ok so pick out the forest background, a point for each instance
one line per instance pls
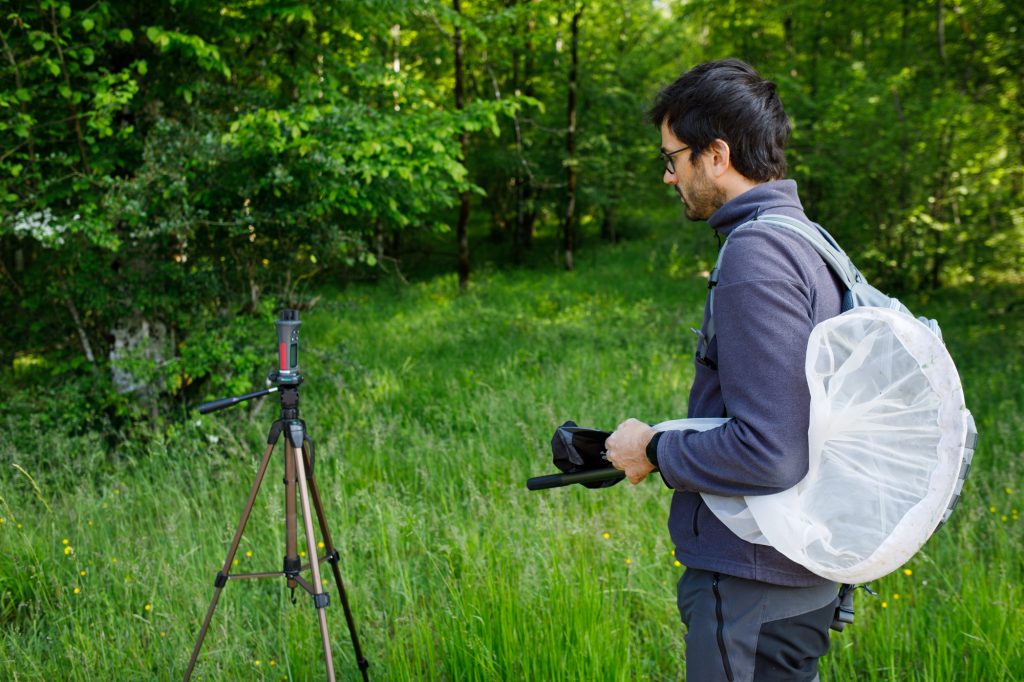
(172, 173)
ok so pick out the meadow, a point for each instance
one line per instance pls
(430, 409)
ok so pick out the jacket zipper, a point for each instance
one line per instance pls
(721, 628)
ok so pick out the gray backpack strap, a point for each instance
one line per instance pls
(704, 337)
(824, 244)
(857, 290)
(818, 238)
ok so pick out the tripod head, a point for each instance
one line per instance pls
(288, 346)
(285, 378)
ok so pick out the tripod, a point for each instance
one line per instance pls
(299, 459)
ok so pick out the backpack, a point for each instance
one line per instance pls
(891, 440)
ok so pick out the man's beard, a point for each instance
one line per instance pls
(702, 197)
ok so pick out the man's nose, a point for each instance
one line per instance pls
(669, 178)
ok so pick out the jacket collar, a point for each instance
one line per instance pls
(763, 198)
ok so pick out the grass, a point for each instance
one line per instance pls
(430, 410)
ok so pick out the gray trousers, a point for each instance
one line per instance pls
(741, 630)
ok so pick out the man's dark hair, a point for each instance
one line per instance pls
(728, 100)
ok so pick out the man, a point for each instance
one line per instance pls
(750, 613)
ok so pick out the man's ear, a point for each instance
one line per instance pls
(719, 158)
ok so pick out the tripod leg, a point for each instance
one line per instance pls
(319, 597)
(291, 557)
(333, 558)
(222, 577)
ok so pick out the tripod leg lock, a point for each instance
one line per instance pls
(221, 580)
(292, 566)
(333, 558)
(321, 600)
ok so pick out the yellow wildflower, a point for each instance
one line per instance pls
(249, 553)
(148, 607)
(885, 605)
(629, 561)
(606, 535)
(907, 571)
(77, 590)
(320, 545)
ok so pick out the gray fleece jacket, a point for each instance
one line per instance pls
(773, 288)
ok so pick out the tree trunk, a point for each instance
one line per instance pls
(522, 239)
(83, 337)
(608, 224)
(461, 229)
(569, 226)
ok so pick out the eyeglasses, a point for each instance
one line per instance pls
(670, 165)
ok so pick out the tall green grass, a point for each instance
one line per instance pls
(430, 410)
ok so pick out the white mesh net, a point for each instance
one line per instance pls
(887, 436)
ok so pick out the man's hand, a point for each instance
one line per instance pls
(627, 449)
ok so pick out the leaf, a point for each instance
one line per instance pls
(54, 68)
(88, 24)
(65, 11)
(125, 34)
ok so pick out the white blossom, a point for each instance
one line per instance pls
(42, 226)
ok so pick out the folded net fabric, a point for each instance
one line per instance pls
(888, 442)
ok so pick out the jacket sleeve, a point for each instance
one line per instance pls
(763, 316)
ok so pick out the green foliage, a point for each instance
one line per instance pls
(143, 189)
(190, 165)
